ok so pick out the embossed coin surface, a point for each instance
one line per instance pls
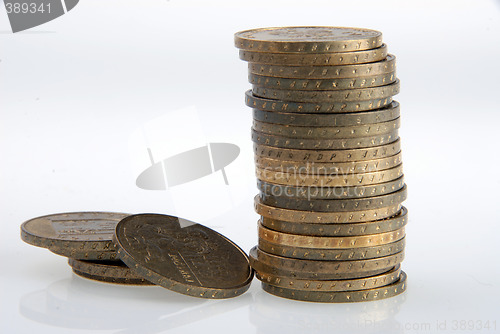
(183, 256)
(107, 271)
(308, 39)
(79, 235)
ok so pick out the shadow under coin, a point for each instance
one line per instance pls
(271, 314)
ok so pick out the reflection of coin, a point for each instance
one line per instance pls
(324, 205)
(316, 59)
(332, 285)
(314, 96)
(298, 216)
(183, 256)
(285, 117)
(80, 235)
(336, 230)
(391, 290)
(310, 156)
(308, 39)
(107, 271)
(332, 254)
(323, 269)
(324, 144)
(307, 241)
(385, 66)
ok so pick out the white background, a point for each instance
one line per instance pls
(73, 91)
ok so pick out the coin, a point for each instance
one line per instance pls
(387, 291)
(327, 132)
(297, 216)
(183, 256)
(339, 192)
(321, 84)
(384, 66)
(328, 168)
(333, 180)
(332, 285)
(389, 113)
(316, 59)
(325, 205)
(314, 96)
(322, 254)
(324, 144)
(351, 155)
(306, 241)
(323, 270)
(107, 271)
(392, 223)
(307, 39)
(80, 235)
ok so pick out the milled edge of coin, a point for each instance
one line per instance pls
(299, 216)
(327, 132)
(351, 155)
(325, 205)
(387, 291)
(78, 254)
(321, 84)
(271, 105)
(386, 65)
(316, 59)
(286, 117)
(392, 223)
(107, 272)
(321, 242)
(331, 285)
(194, 291)
(334, 180)
(323, 143)
(324, 269)
(314, 96)
(242, 40)
(321, 254)
(64, 247)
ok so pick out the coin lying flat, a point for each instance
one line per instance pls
(311, 96)
(183, 256)
(387, 291)
(79, 235)
(385, 66)
(332, 285)
(388, 113)
(316, 59)
(107, 271)
(322, 254)
(307, 39)
(392, 223)
(265, 104)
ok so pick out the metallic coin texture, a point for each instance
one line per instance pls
(80, 235)
(388, 291)
(183, 256)
(107, 271)
(307, 39)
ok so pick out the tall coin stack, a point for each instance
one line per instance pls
(328, 163)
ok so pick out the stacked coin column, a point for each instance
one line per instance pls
(328, 163)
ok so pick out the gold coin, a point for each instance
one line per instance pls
(390, 224)
(387, 65)
(331, 285)
(331, 180)
(351, 155)
(314, 96)
(297, 216)
(307, 39)
(387, 291)
(306, 241)
(317, 59)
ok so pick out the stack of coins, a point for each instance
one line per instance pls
(328, 163)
